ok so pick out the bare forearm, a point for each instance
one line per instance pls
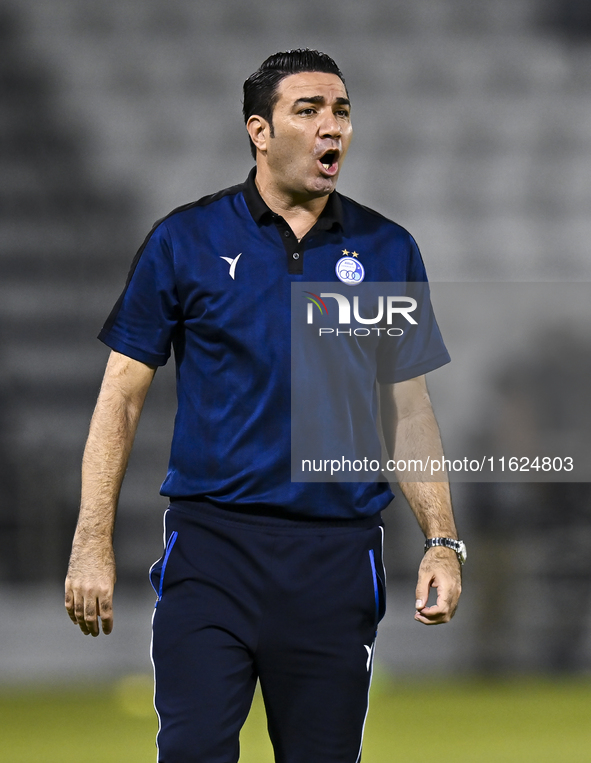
(111, 435)
(412, 438)
(110, 439)
(417, 438)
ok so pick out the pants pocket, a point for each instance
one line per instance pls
(158, 569)
(379, 585)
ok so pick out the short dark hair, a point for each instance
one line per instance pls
(260, 89)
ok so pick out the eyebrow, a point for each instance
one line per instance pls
(317, 99)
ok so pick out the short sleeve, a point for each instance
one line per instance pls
(420, 347)
(144, 319)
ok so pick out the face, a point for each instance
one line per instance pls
(310, 134)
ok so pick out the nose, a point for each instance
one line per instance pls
(330, 126)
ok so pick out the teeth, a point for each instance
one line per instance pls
(326, 165)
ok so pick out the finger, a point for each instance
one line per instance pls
(106, 613)
(448, 594)
(440, 612)
(431, 619)
(433, 612)
(85, 609)
(436, 613)
(91, 616)
(422, 590)
(69, 604)
(79, 613)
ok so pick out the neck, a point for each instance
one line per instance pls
(300, 211)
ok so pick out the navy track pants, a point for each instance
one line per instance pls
(293, 604)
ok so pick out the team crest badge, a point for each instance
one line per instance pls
(349, 270)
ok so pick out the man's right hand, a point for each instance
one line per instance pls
(89, 590)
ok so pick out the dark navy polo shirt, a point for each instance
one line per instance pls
(213, 281)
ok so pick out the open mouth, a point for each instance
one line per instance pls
(329, 161)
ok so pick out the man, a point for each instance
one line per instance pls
(261, 578)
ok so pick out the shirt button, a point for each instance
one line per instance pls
(296, 256)
(286, 234)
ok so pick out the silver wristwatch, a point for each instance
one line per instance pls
(456, 545)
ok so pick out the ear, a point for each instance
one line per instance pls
(258, 129)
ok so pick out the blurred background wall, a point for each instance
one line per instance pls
(473, 130)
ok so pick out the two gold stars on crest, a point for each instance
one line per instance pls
(346, 252)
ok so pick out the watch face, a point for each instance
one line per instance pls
(462, 552)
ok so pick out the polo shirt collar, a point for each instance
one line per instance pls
(331, 215)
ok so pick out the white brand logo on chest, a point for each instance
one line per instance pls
(232, 263)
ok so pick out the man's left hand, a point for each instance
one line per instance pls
(439, 569)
